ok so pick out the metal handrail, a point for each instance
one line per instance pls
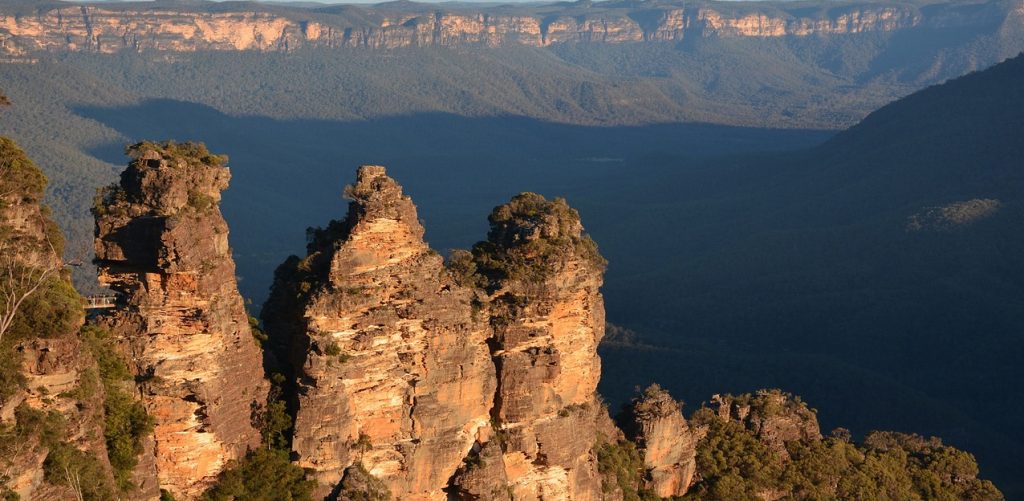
(101, 301)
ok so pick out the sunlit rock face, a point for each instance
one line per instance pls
(162, 243)
(397, 376)
(668, 445)
(109, 29)
(542, 276)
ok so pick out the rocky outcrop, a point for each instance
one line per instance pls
(49, 396)
(774, 416)
(668, 445)
(108, 29)
(162, 243)
(476, 380)
(542, 276)
(397, 378)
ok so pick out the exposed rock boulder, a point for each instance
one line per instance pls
(668, 445)
(397, 377)
(162, 243)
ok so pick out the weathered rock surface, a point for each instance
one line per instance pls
(543, 276)
(44, 352)
(397, 376)
(668, 445)
(185, 27)
(162, 243)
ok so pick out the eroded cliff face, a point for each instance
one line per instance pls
(668, 445)
(110, 29)
(476, 380)
(50, 401)
(542, 276)
(397, 378)
(162, 243)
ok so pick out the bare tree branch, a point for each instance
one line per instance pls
(23, 273)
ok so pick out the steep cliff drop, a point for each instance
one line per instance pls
(542, 275)
(669, 445)
(397, 379)
(111, 28)
(162, 243)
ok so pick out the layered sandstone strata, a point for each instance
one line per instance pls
(108, 29)
(668, 444)
(543, 275)
(397, 378)
(162, 243)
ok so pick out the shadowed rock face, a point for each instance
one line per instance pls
(162, 243)
(397, 375)
(669, 446)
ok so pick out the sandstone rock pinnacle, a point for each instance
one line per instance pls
(162, 243)
(397, 377)
(668, 445)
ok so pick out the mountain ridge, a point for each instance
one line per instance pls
(108, 28)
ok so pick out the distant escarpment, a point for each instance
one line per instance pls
(197, 26)
(162, 244)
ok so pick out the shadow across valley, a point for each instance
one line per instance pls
(289, 174)
(744, 258)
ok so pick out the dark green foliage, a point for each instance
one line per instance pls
(54, 310)
(11, 378)
(332, 349)
(78, 469)
(464, 269)
(733, 464)
(46, 427)
(200, 201)
(166, 495)
(359, 485)
(274, 422)
(263, 475)
(172, 150)
(258, 334)
(125, 419)
(126, 423)
(530, 238)
(267, 473)
(18, 174)
(622, 467)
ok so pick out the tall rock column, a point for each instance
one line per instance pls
(668, 445)
(394, 374)
(543, 276)
(162, 243)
